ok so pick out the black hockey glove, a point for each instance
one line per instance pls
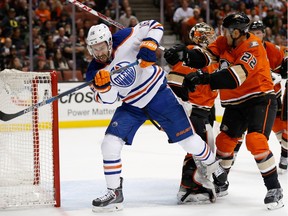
(180, 92)
(283, 69)
(193, 79)
(172, 55)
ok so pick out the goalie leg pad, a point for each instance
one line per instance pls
(195, 187)
(200, 196)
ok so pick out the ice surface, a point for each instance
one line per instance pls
(151, 171)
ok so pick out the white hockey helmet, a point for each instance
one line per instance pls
(97, 34)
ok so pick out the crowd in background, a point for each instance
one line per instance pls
(51, 32)
(184, 14)
(52, 27)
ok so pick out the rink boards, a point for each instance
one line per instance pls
(79, 109)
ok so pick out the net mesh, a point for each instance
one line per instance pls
(26, 142)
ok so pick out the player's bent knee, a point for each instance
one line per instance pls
(225, 144)
(192, 143)
(111, 146)
(256, 143)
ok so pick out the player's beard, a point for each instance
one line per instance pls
(103, 58)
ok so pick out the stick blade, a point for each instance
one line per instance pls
(7, 117)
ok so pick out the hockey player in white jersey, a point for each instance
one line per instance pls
(145, 95)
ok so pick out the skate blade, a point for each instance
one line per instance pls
(222, 194)
(109, 208)
(275, 205)
(282, 171)
(193, 199)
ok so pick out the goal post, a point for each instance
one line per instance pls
(29, 144)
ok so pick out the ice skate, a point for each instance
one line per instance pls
(195, 196)
(220, 181)
(111, 201)
(283, 164)
(274, 199)
(220, 174)
(221, 188)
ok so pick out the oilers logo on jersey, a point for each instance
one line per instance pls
(126, 77)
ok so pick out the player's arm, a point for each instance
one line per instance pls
(175, 80)
(228, 78)
(198, 58)
(104, 92)
(149, 33)
(283, 68)
(194, 58)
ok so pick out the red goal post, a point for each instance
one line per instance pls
(29, 144)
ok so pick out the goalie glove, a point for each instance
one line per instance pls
(147, 52)
(172, 55)
(193, 79)
(102, 81)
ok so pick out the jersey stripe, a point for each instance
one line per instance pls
(138, 93)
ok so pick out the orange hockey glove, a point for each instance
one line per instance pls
(102, 81)
(147, 52)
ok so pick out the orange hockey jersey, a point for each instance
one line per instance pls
(251, 54)
(275, 56)
(203, 97)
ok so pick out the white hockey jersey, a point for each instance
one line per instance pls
(135, 85)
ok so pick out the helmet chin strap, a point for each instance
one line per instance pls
(234, 39)
(234, 42)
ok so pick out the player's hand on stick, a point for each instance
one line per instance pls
(102, 81)
(172, 55)
(147, 52)
(193, 79)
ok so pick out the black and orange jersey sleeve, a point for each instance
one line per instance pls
(275, 55)
(248, 58)
(203, 96)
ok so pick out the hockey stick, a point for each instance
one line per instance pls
(7, 117)
(102, 16)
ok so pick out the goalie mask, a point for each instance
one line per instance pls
(98, 34)
(202, 34)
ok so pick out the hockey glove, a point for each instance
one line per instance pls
(193, 79)
(283, 69)
(172, 55)
(147, 52)
(180, 92)
(102, 81)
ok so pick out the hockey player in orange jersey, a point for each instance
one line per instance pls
(246, 93)
(277, 57)
(201, 101)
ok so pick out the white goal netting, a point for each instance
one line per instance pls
(29, 157)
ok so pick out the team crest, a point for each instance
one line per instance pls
(143, 23)
(126, 77)
(254, 44)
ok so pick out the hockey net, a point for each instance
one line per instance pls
(29, 149)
